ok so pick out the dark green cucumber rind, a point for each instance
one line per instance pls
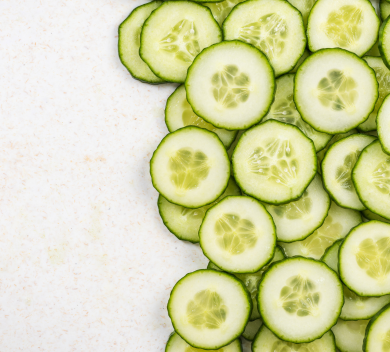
(308, 183)
(132, 72)
(244, 290)
(384, 148)
(274, 235)
(159, 74)
(328, 250)
(249, 47)
(311, 57)
(383, 12)
(263, 318)
(162, 142)
(370, 326)
(386, 60)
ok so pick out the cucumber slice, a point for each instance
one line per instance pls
(331, 256)
(221, 10)
(337, 225)
(252, 328)
(337, 167)
(371, 177)
(233, 146)
(296, 220)
(349, 335)
(273, 26)
(231, 85)
(384, 42)
(266, 341)
(184, 223)
(348, 24)
(329, 90)
(238, 235)
(300, 299)
(385, 9)
(174, 34)
(374, 51)
(178, 114)
(377, 337)
(209, 309)
(274, 162)
(283, 109)
(129, 33)
(190, 167)
(364, 259)
(304, 6)
(212, 266)
(384, 125)
(368, 214)
(306, 54)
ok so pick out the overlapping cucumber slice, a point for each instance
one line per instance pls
(378, 332)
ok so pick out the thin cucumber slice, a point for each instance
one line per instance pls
(348, 24)
(300, 299)
(368, 214)
(377, 337)
(273, 26)
(306, 54)
(384, 42)
(190, 167)
(221, 10)
(304, 6)
(252, 328)
(209, 309)
(274, 162)
(238, 235)
(231, 85)
(329, 89)
(178, 114)
(337, 167)
(384, 9)
(364, 259)
(383, 120)
(129, 42)
(371, 177)
(296, 220)
(283, 110)
(184, 223)
(331, 256)
(174, 34)
(266, 341)
(349, 335)
(337, 225)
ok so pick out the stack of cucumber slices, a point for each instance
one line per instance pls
(277, 162)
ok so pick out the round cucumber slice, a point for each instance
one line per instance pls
(209, 309)
(178, 114)
(238, 235)
(183, 222)
(337, 167)
(304, 6)
(221, 10)
(364, 259)
(252, 328)
(383, 120)
(368, 214)
(371, 177)
(174, 34)
(274, 162)
(283, 110)
(230, 85)
(190, 167)
(331, 256)
(300, 299)
(348, 24)
(272, 26)
(129, 42)
(377, 337)
(337, 225)
(349, 335)
(384, 9)
(296, 220)
(329, 89)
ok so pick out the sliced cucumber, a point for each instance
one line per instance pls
(252, 328)
(296, 220)
(190, 167)
(300, 299)
(337, 167)
(233, 146)
(221, 10)
(184, 223)
(374, 51)
(384, 42)
(212, 266)
(129, 33)
(331, 256)
(178, 114)
(377, 337)
(238, 235)
(274, 162)
(306, 54)
(230, 85)
(368, 214)
(337, 225)
(383, 120)
(329, 89)
(348, 24)
(174, 34)
(304, 6)
(273, 26)
(283, 109)
(364, 259)
(349, 335)
(209, 309)
(371, 177)
(385, 9)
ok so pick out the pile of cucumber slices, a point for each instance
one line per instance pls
(278, 164)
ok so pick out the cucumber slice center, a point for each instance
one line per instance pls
(352, 296)
(386, 342)
(343, 172)
(381, 177)
(374, 257)
(285, 110)
(191, 119)
(345, 26)
(206, 310)
(299, 209)
(221, 9)
(182, 41)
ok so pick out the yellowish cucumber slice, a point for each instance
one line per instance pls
(377, 337)
(252, 328)
(384, 9)
(349, 335)
(190, 167)
(273, 26)
(348, 24)
(383, 121)
(304, 6)
(221, 10)
(209, 309)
